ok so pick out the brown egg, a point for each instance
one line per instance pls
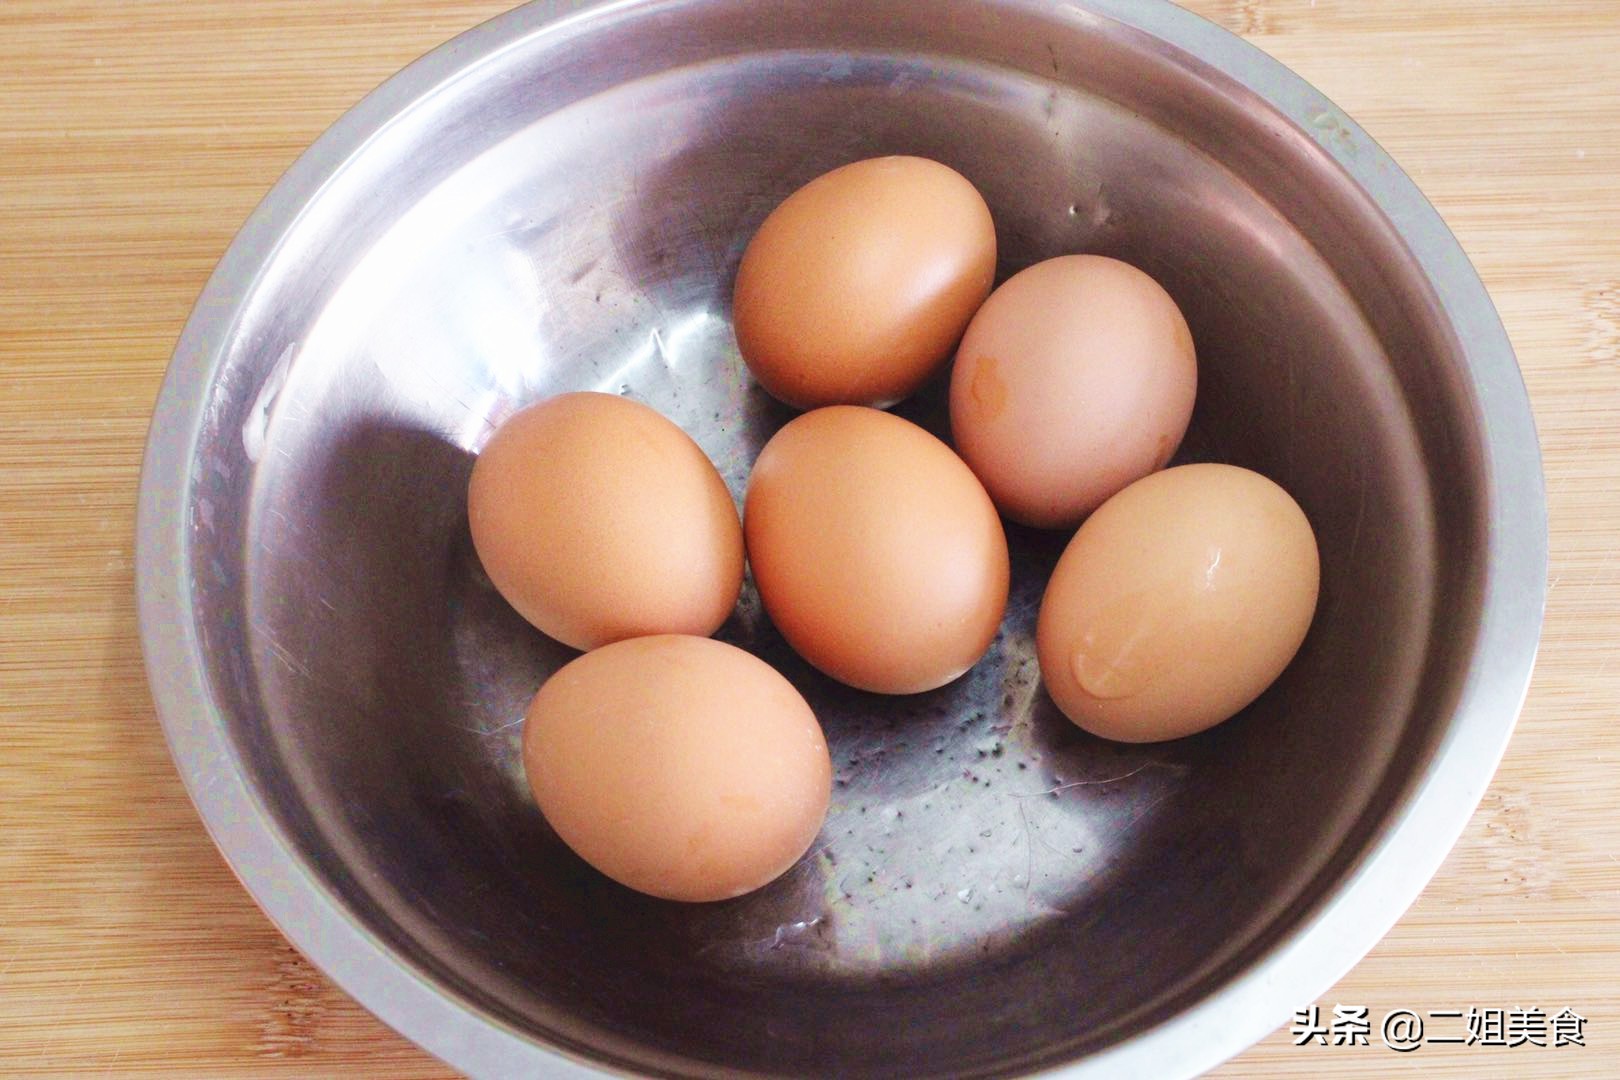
(856, 289)
(877, 554)
(680, 766)
(598, 519)
(1075, 378)
(1177, 603)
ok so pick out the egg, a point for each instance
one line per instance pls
(876, 553)
(858, 286)
(1075, 378)
(598, 519)
(1177, 603)
(679, 766)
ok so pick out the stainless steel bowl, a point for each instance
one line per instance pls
(557, 200)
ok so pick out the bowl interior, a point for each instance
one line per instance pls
(993, 889)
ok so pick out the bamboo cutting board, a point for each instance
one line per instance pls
(136, 135)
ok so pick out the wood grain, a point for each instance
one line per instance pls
(135, 137)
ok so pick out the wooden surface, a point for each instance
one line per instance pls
(136, 136)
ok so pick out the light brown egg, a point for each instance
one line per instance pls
(598, 519)
(857, 287)
(1177, 603)
(1075, 378)
(680, 766)
(877, 554)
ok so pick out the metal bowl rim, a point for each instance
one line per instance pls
(1390, 873)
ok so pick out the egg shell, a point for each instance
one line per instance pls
(877, 554)
(598, 519)
(1075, 378)
(858, 286)
(679, 766)
(1177, 603)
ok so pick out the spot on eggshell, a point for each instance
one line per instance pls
(988, 388)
